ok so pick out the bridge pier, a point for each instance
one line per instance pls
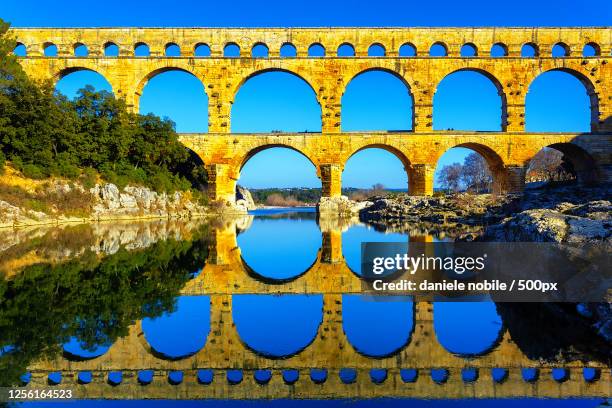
(331, 179)
(221, 184)
(421, 179)
(514, 179)
(331, 247)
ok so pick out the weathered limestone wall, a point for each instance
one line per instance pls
(507, 151)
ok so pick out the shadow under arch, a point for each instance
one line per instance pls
(493, 160)
(375, 326)
(396, 75)
(583, 164)
(496, 83)
(588, 85)
(303, 336)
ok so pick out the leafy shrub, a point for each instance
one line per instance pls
(89, 177)
(33, 171)
(45, 134)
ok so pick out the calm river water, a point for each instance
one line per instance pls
(267, 307)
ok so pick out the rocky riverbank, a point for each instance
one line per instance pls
(572, 215)
(561, 214)
(60, 202)
(55, 244)
(29, 202)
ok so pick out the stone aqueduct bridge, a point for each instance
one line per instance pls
(223, 153)
(407, 370)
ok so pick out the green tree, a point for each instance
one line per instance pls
(44, 134)
(90, 298)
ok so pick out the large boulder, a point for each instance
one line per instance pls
(244, 199)
(577, 224)
(340, 206)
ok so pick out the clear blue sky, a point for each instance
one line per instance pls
(277, 101)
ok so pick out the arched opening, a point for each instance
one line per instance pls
(376, 50)
(80, 50)
(20, 50)
(73, 80)
(288, 50)
(473, 336)
(231, 50)
(356, 235)
(438, 49)
(499, 50)
(278, 167)
(111, 49)
(201, 50)
(141, 50)
(179, 96)
(562, 163)
(78, 350)
(560, 50)
(276, 248)
(591, 50)
(469, 100)
(377, 326)
(316, 50)
(407, 50)
(259, 50)
(377, 100)
(182, 332)
(346, 50)
(359, 181)
(277, 326)
(50, 50)
(560, 101)
(472, 168)
(280, 246)
(469, 50)
(529, 50)
(275, 101)
(172, 50)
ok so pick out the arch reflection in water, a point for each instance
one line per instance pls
(280, 246)
(467, 328)
(182, 332)
(354, 236)
(75, 349)
(377, 326)
(277, 326)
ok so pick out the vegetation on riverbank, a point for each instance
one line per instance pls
(44, 134)
(90, 298)
(303, 196)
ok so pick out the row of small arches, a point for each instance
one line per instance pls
(288, 50)
(320, 376)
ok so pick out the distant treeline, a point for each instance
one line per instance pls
(43, 134)
(309, 196)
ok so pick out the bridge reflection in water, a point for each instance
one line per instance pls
(332, 340)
